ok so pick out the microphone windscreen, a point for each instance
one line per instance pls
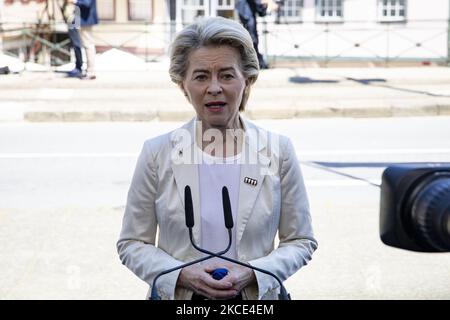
(188, 207)
(227, 208)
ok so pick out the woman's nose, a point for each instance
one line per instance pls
(214, 88)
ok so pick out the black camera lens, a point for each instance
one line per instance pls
(428, 211)
(415, 207)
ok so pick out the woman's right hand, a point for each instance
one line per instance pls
(196, 278)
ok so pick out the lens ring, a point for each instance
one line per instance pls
(430, 211)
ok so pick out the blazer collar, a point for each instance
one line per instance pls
(185, 170)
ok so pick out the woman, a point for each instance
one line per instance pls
(214, 63)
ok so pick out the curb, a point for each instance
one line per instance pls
(260, 114)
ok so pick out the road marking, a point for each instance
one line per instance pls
(55, 94)
(372, 152)
(65, 155)
(301, 153)
(340, 183)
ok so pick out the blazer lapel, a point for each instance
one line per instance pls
(185, 170)
(254, 167)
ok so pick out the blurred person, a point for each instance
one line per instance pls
(214, 63)
(88, 18)
(247, 11)
(71, 16)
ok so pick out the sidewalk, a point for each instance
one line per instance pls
(280, 93)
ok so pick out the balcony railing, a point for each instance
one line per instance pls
(324, 43)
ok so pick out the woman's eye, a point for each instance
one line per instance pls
(228, 76)
(200, 77)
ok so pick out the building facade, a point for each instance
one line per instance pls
(320, 30)
(376, 30)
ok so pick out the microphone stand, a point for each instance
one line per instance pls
(189, 214)
(283, 295)
(155, 296)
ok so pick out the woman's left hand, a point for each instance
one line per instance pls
(239, 276)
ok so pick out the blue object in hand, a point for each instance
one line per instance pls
(219, 273)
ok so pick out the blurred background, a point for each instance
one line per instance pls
(357, 85)
(311, 32)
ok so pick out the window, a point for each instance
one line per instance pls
(106, 9)
(225, 4)
(329, 10)
(225, 8)
(392, 10)
(291, 10)
(192, 9)
(140, 10)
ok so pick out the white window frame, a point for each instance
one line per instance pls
(100, 7)
(224, 4)
(221, 5)
(194, 5)
(209, 7)
(385, 8)
(326, 5)
(293, 6)
(150, 14)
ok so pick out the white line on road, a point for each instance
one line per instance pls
(55, 94)
(24, 155)
(65, 155)
(340, 183)
(373, 151)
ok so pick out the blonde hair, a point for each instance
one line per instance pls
(215, 31)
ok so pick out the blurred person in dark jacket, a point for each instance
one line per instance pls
(247, 10)
(88, 18)
(71, 14)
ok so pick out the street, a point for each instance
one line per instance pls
(279, 93)
(63, 188)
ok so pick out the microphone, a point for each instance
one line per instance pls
(189, 215)
(221, 272)
(188, 207)
(283, 295)
(228, 218)
(227, 209)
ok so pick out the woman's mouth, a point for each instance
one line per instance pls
(215, 105)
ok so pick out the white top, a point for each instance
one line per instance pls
(214, 174)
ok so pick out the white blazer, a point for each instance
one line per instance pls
(278, 203)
